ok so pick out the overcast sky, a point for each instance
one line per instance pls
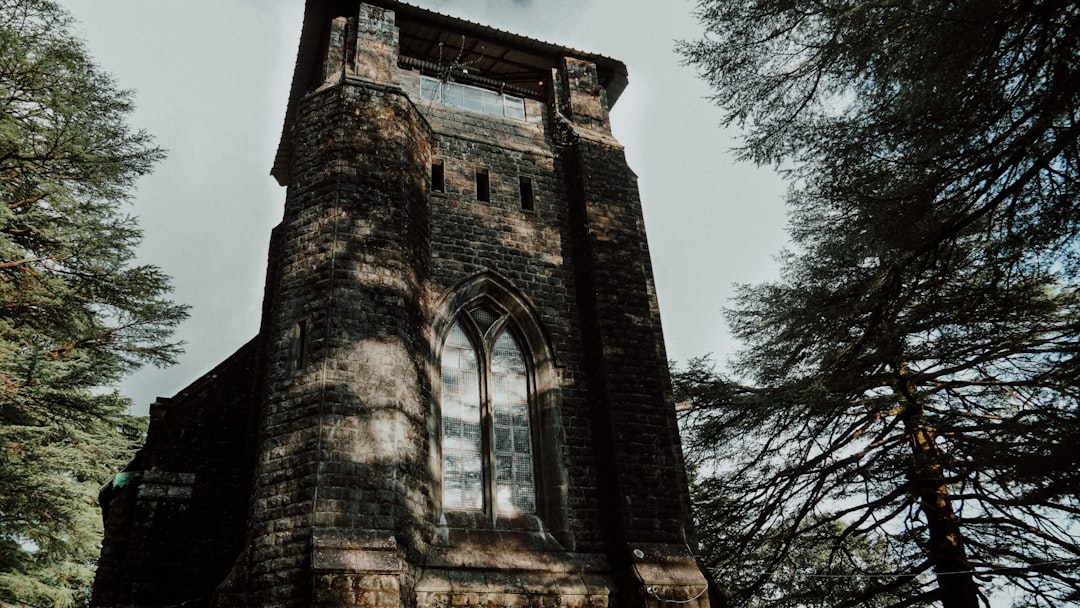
(211, 80)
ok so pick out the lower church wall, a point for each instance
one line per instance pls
(175, 518)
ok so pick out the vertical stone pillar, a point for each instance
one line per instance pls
(637, 443)
(585, 101)
(342, 445)
(375, 57)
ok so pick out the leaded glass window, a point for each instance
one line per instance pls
(487, 452)
(462, 446)
(514, 488)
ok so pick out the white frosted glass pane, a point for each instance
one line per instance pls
(473, 99)
(451, 94)
(493, 103)
(462, 460)
(514, 488)
(429, 89)
(484, 318)
(514, 107)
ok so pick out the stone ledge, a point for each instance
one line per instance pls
(514, 582)
(500, 557)
(367, 551)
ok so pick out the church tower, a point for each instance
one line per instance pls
(459, 396)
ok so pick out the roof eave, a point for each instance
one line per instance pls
(612, 73)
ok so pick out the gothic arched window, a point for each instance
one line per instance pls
(487, 443)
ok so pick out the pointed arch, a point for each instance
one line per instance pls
(489, 309)
(491, 287)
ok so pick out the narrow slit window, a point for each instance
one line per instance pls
(526, 188)
(438, 176)
(483, 185)
(299, 345)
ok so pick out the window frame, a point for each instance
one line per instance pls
(551, 479)
(479, 100)
(483, 344)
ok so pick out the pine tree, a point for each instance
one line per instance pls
(912, 375)
(76, 312)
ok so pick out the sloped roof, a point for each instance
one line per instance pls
(439, 40)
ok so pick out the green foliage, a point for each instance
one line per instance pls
(75, 312)
(820, 567)
(51, 524)
(912, 377)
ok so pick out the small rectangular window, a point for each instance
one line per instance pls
(438, 176)
(514, 107)
(526, 188)
(483, 186)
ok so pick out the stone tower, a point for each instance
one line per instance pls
(459, 395)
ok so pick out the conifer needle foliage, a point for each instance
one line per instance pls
(76, 311)
(911, 380)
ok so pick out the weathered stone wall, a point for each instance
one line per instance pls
(531, 249)
(343, 429)
(581, 257)
(367, 269)
(636, 438)
(175, 519)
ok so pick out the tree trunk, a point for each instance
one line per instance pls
(946, 546)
